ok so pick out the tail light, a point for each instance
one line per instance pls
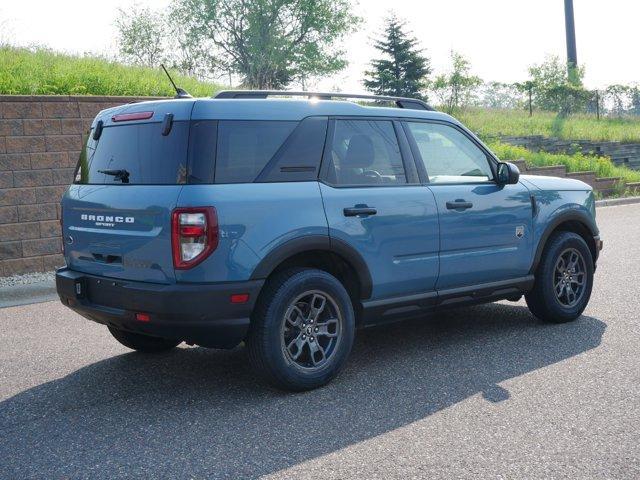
(194, 235)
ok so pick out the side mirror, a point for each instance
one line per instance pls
(508, 173)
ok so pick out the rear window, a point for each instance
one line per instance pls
(135, 154)
(245, 147)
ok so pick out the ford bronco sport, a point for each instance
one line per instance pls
(288, 222)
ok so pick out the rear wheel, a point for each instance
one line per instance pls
(143, 343)
(302, 329)
(564, 279)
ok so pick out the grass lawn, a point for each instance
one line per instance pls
(44, 72)
(488, 123)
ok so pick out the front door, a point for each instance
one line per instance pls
(485, 228)
(375, 203)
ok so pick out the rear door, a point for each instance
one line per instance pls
(375, 204)
(485, 228)
(117, 214)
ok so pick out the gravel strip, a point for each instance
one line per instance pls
(27, 279)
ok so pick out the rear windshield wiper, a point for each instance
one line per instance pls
(121, 175)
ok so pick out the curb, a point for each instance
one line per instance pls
(612, 202)
(16, 295)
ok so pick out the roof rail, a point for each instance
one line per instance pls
(401, 102)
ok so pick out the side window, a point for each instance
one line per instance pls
(449, 156)
(365, 152)
(245, 147)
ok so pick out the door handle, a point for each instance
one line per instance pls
(359, 210)
(459, 205)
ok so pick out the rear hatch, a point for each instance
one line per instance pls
(117, 214)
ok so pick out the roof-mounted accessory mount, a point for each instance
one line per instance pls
(400, 102)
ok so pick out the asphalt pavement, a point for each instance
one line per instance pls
(481, 392)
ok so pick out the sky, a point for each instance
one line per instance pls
(501, 38)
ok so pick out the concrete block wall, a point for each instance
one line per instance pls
(603, 186)
(624, 154)
(40, 142)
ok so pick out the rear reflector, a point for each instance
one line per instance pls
(143, 317)
(192, 231)
(127, 117)
(240, 298)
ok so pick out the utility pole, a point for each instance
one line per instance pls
(572, 54)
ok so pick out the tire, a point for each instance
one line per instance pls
(143, 343)
(550, 299)
(292, 346)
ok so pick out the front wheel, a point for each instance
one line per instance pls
(564, 279)
(302, 329)
(143, 343)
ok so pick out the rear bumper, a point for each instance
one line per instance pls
(197, 313)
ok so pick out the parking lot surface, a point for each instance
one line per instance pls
(481, 392)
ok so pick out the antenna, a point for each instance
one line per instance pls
(180, 93)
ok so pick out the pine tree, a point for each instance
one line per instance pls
(403, 72)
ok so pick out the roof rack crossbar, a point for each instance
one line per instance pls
(401, 102)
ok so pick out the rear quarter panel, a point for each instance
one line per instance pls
(254, 219)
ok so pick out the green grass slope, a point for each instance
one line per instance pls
(491, 123)
(44, 72)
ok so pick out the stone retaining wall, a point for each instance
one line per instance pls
(603, 186)
(624, 154)
(40, 141)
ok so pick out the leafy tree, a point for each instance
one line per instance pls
(635, 100)
(552, 89)
(619, 97)
(456, 89)
(403, 70)
(188, 54)
(141, 36)
(269, 43)
(501, 95)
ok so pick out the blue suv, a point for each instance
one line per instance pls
(287, 223)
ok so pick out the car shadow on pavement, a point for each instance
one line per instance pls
(201, 413)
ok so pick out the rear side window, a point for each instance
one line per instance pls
(365, 152)
(256, 151)
(245, 147)
(298, 160)
(135, 154)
